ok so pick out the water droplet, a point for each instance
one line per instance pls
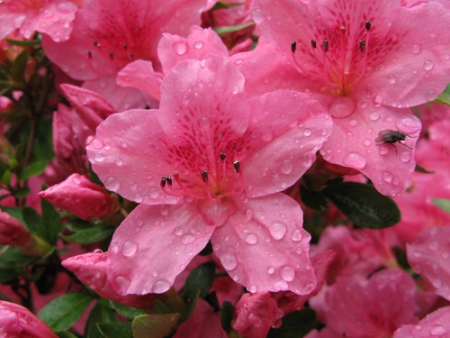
(307, 132)
(253, 289)
(432, 95)
(281, 285)
(405, 156)
(367, 142)
(228, 261)
(353, 122)
(270, 270)
(205, 122)
(238, 61)
(154, 193)
(433, 246)
(309, 288)
(355, 160)
(123, 283)
(187, 239)
(287, 273)
(129, 248)
(257, 16)
(178, 231)
(296, 236)
(416, 49)
(180, 47)
(203, 63)
(277, 230)
(118, 161)
(112, 184)
(383, 150)
(249, 214)
(198, 45)
(378, 99)
(161, 286)
(392, 79)
(438, 330)
(342, 107)
(235, 90)
(251, 239)
(428, 65)
(138, 198)
(287, 167)
(387, 177)
(96, 144)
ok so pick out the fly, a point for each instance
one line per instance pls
(391, 137)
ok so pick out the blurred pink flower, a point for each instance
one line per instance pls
(52, 17)
(209, 164)
(81, 197)
(13, 233)
(17, 321)
(367, 63)
(256, 314)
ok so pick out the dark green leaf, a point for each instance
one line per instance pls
(19, 66)
(122, 330)
(363, 204)
(207, 250)
(443, 98)
(23, 43)
(160, 307)
(51, 220)
(22, 192)
(33, 221)
(200, 279)
(155, 325)
(296, 324)
(92, 235)
(442, 203)
(65, 334)
(7, 274)
(33, 169)
(231, 29)
(14, 258)
(313, 199)
(61, 313)
(127, 311)
(226, 315)
(100, 314)
(6, 177)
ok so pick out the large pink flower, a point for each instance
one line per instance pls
(209, 164)
(368, 60)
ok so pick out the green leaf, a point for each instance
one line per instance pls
(200, 279)
(100, 314)
(92, 235)
(65, 334)
(160, 307)
(296, 324)
(363, 204)
(33, 169)
(422, 170)
(51, 220)
(33, 221)
(19, 66)
(7, 274)
(231, 29)
(442, 203)
(226, 315)
(313, 199)
(23, 43)
(122, 330)
(443, 98)
(61, 313)
(155, 325)
(22, 192)
(127, 311)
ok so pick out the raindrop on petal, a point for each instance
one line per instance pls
(187, 239)
(180, 47)
(129, 248)
(277, 230)
(355, 160)
(287, 273)
(161, 286)
(199, 45)
(428, 65)
(251, 239)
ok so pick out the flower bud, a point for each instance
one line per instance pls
(80, 197)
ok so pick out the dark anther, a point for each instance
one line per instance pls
(125, 46)
(368, 25)
(293, 46)
(169, 180)
(313, 43)
(205, 176)
(237, 166)
(325, 45)
(222, 156)
(111, 56)
(132, 56)
(163, 182)
(147, 107)
(362, 46)
(95, 43)
(89, 54)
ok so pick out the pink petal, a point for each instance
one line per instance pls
(436, 324)
(90, 269)
(173, 49)
(203, 323)
(153, 245)
(264, 247)
(429, 256)
(140, 74)
(216, 89)
(286, 130)
(129, 155)
(353, 143)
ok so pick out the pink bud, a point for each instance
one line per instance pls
(80, 197)
(17, 321)
(12, 232)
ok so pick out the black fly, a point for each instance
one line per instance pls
(389, 136)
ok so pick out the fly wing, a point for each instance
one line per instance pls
(383, 136)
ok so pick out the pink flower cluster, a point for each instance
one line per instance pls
(187, 133)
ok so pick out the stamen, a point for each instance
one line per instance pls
(314, 44)
(89, 54)
(111, 56)
(206, 180)
(169, 180)
(132, 56)
(362, 46)
(125, 46)
(222, 156)
(293, 46)
(237, 166)
(241, 179)
(95, 43)
(368, 25)
(325, 45)
(365, 52)
(205, 176)
(182, 190)
(163, 182)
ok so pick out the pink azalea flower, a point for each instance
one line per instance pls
(17, 321)
(374, 307)
(429, 256)
(209, 164)
(98, 48)
(14, 233)
(436, 324)
(366, 61)
(52, 17)
(256, 314)
(81, 197)
(203, 323)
